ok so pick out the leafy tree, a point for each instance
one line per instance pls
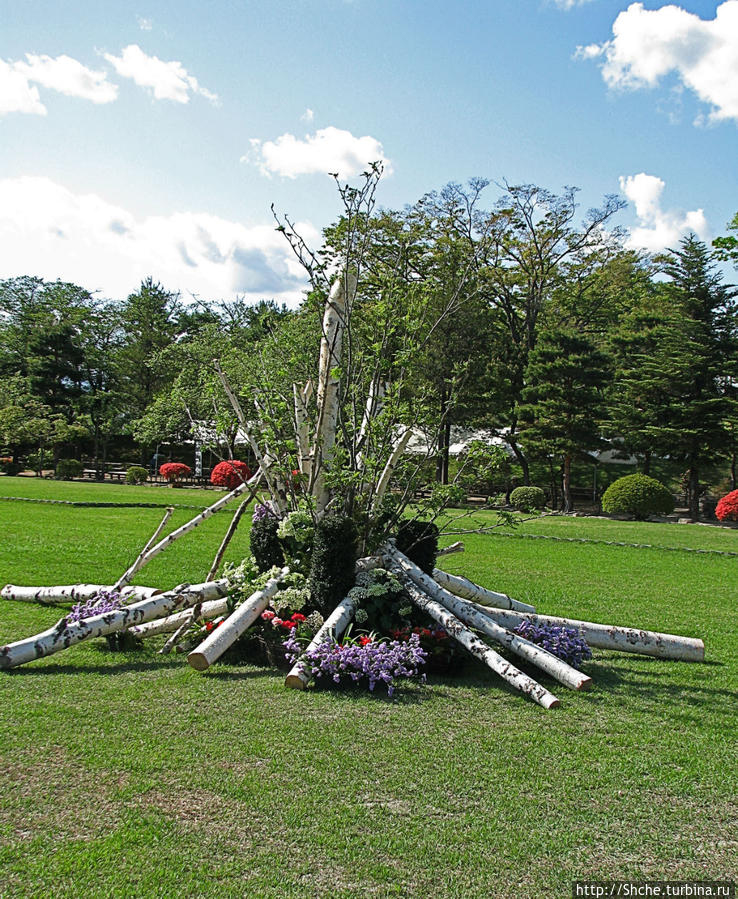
(562, 401)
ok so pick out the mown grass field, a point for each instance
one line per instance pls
(129, 774)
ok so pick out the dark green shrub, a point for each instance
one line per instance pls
(265, 545)
(137, 474)
(418, 540)
(639, 496)
(528, 499)
(67, 469)
(334, 558)
(8, 466)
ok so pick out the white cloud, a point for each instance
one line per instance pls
(658, 228)
(648, 45)
(48, 231)
(307, 116)
(68, 76)
(328, 150)
(166, 80)
(145, 24)
(63, 74)
(570, 4)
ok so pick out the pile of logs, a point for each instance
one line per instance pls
(464, 609)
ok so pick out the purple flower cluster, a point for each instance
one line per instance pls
(376, 661)
(99, 604)
(564, 642)
(262, 511)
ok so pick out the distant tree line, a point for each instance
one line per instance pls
(548, 333)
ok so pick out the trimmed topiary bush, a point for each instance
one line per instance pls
(174, 472)
(528, 499)
(727, 507)
(137, 474)
(332, 572)
(230, 474)
(265, 546)
(637, 495)
(67, 469)
(418, 540)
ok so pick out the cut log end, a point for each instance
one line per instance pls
(295, 681)
(198, 661)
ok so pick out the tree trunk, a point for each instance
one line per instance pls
(566, 484)
(466, 589)
(465, 612)
(332, 628)
(64, 635)
(70, 594)
(478, 648)
(694, 491)
(647, 463)
(609, 636)
(169, 624)
(331, 345)
(521, 459)
(216, 643)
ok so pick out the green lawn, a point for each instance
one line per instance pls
(129, 774)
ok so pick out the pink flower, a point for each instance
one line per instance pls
(268, 615)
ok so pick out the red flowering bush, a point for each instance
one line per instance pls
(174, 471)
(727, 507)
(230, 474)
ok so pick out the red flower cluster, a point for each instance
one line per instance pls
(364, 640)
(211, 625)
(230, 474)
(174, 471)
(727, 507)
(286, 623)
(437, 633)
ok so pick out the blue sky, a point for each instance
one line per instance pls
(151, 138)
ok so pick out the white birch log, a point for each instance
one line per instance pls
(466, 589)
(171, 623)
(302, 434)
(64, 635)
(127, 576)
(331, 629)
(457, 547)
(610, 636)
(384, 480)
(331, 344)
(373, 408)
(192, 615)
(464, 611)
(70, 594)
(246, 428)
(478, 648)
(216, 643)
(251, 486)
(227, 538)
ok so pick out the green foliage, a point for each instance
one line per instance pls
(528, 499)
(383, 605)
(637, 495)
(418, 540)
(333, 560)
(296, 532)
(68, 469)
(265, 545)
(137, 474)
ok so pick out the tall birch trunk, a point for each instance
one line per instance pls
(64, 635)
(232, 527)
(332, 628)
(216, 643)
(610, 636)
(389, 468)
(478, 648)
(464, 611)
(338, 303)
(466, 589)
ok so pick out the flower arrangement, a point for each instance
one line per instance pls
(102, 602)
(563, 642)
(230, 474)
(727, 507)
(174, 472)
(363, 658)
